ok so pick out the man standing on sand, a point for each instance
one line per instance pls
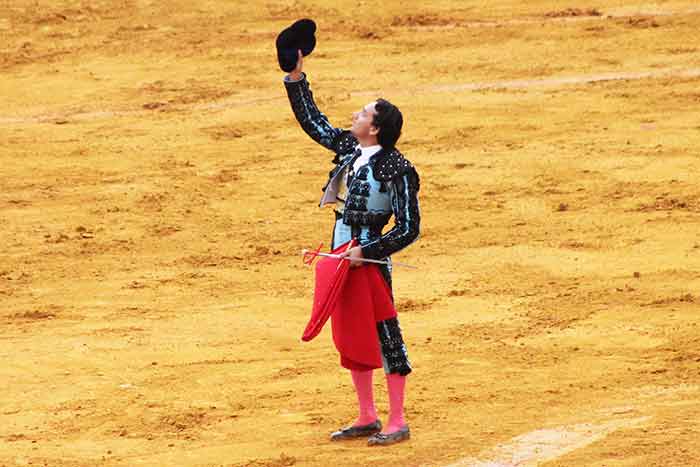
(371, 181)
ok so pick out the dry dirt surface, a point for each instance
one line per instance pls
(156, 192)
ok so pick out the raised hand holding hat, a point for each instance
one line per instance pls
(297, 37)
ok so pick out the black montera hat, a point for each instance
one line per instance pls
(299, 35)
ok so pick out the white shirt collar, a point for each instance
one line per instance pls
(369, 150)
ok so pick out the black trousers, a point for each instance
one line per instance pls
(394, 353)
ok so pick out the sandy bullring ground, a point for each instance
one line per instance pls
(156, 191)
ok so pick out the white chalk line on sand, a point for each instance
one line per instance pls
(429, 89)
(535, 447)
(538, 446)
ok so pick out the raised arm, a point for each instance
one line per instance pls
(404, 203)
(312, 121)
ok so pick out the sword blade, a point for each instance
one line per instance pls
(366, 260)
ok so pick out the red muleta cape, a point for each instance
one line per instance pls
(355, 299)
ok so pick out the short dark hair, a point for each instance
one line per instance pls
(389, 121)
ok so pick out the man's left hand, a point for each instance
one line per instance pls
(354, 253)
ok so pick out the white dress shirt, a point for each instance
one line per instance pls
(367, 152)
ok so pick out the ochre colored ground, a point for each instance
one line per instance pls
(156, 192)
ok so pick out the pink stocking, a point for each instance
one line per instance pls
(363, 386)
(396, 385)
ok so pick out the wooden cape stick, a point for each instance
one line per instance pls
(378, 261)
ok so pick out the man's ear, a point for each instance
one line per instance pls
(373, 130)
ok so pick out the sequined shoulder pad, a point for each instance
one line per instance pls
(392, 165)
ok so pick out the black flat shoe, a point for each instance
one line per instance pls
(380, 439)
(357, 431)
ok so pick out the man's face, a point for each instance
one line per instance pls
(362, 122)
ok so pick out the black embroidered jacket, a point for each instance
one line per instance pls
(387, 185)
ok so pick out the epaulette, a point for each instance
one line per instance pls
(391, 165)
